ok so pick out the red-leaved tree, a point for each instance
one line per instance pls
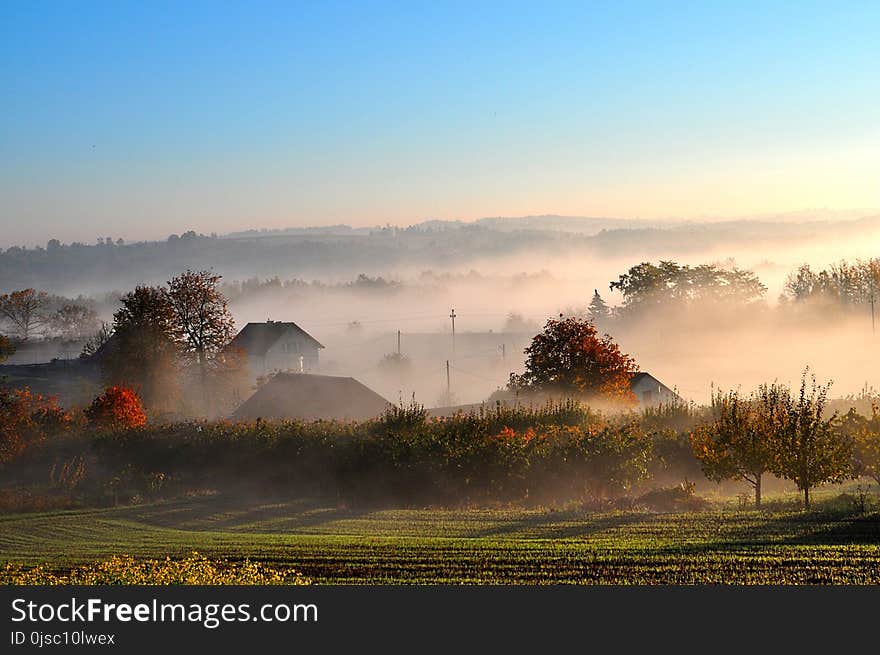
(26, 419)
(116, 408)
(570, 357)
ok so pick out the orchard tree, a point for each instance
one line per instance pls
(569, 356)
(866, 446)
(808, 449)
(144, 349)
(737, 443)
(23, 310)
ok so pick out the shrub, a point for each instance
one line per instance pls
(116, 408)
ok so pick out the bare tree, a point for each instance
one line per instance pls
(23, 310)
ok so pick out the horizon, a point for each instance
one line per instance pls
(148, 121)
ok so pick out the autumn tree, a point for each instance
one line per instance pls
(72, 322)
(866, 446)
(569, 356)
(808, 450)
(144, 349)
(23, 310)
(26, 419)
(6, 348)
(737, 442)
(202, 322)
(116, 408)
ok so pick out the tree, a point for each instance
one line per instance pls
(6, 348)
(25, 419)
(808, 450)
(116, 408)
(737, 443)
(598, 310)
(517, 323)
(94, 342)
(669, 283)
(866, 447)
(72, 322)
(145, 351)
(24, 311)
(202, 323)
(569, 356)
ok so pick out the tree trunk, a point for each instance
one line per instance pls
(758, 491)
(806, 498)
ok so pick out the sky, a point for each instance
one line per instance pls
(137, 120)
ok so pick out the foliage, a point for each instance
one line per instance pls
(27, 419)
(737, 443)
(598, 309)
(845, 284)
(808, 450)
(667, 283)
(72, 321)
(6, 348)
(116, 408)
(145, 349)
(195, 569)
(866, 444)
(202, 321)
(569, 356)
(23, 310)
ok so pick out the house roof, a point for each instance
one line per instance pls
(641, 377)
(258, 338)
(310, 397)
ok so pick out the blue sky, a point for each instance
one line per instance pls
(140, 119)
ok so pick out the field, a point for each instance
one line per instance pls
(472, 546)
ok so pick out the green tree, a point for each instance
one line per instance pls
(569, 356)
(866, 447)
(145, 350)
(737, 443)
(808, 450)
(598, 310)
(669, 283)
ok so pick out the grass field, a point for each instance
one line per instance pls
(332, 545)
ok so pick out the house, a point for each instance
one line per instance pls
(277, 346)
(651, 392)
(310, 397)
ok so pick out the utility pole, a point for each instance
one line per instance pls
(448, 385)
(503, 351)
(452, 316)
(398, 343)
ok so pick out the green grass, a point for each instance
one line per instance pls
(333, 545)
